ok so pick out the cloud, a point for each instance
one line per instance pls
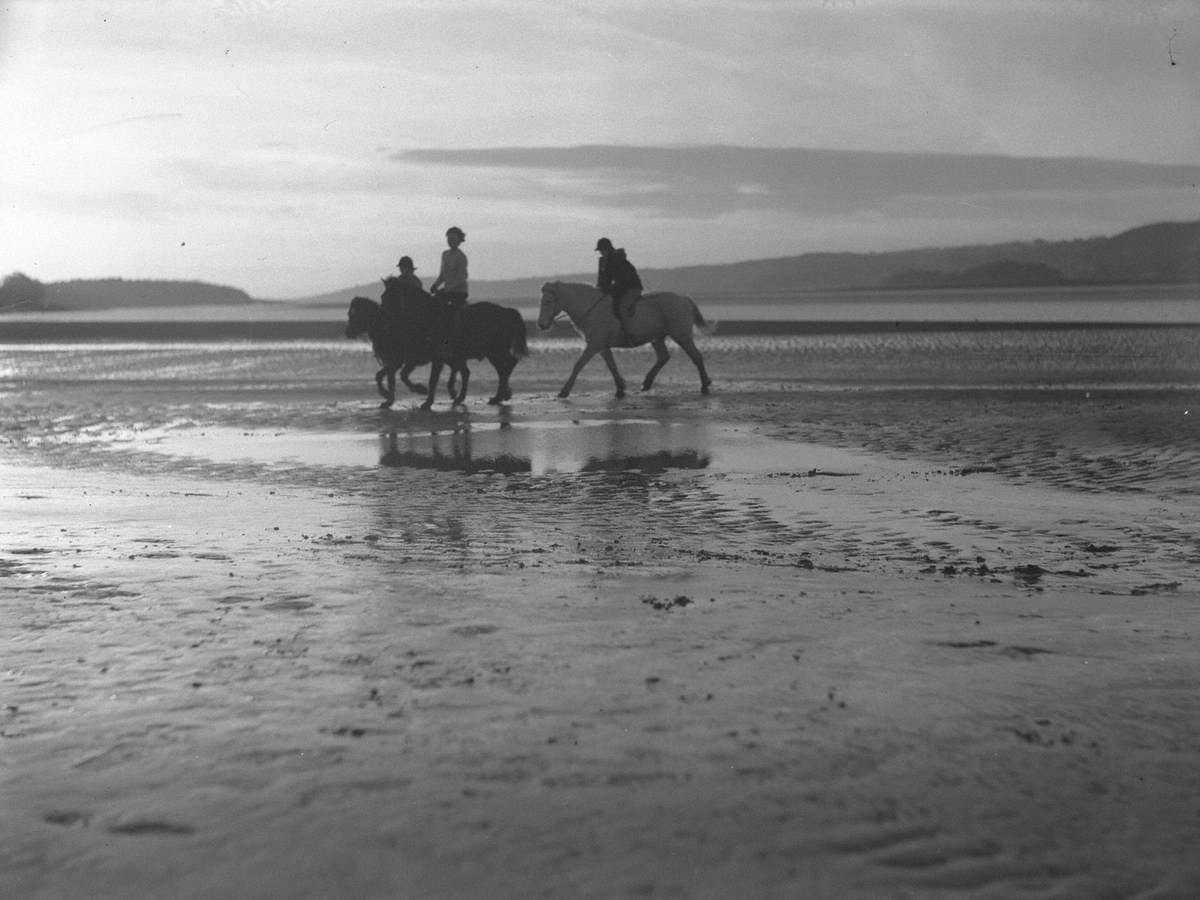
(705, 182)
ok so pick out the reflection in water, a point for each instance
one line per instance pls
(456, 444)
(541, 448)
(452, 452)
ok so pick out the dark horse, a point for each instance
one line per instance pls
(396, 348)
(409, 334)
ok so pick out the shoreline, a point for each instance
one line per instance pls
(26, 331)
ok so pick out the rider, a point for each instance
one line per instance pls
(451, 283)
(408, 274)
(410, 284)
(617, 277)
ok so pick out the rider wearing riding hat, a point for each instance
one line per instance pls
(395, 302)
(451, 283)
(617, 277)
(408, 274)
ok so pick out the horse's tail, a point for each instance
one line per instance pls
(520, 347)
(699, 320)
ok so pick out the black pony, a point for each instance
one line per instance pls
(396, 348)
(408, 334)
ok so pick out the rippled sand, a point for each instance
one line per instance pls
(845, 633)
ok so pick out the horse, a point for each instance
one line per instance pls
(655, 317)
(485, 331)
(395, 347)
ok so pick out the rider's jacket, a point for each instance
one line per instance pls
(617, 275)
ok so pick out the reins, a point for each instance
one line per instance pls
(583, 316)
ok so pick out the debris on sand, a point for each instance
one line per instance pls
(1159, 587)
(1030, 574)
(665, 604)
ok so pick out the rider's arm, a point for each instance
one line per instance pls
(437, 283)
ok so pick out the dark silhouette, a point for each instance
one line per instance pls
(484, 331)
(20, 292)
(396, 348)
(410, 336)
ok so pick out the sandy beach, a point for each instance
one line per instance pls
(882, 617)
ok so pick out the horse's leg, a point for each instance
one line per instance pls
(584, 358)
(689, 347)
(663, 355)
(503, 363)
(435, 372)
(389, 393)
(607, 354)
(510, 364)
(405, 371)
(466, 377)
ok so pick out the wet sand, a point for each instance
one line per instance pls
(886, 642)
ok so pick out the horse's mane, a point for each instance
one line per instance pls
(422, 298)
(558, 282)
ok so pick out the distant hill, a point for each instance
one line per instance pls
(111, 293)
(1004, 273)
(1163, 253)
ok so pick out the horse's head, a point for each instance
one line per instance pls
(550, 305)
(362, 316)
(393, 291)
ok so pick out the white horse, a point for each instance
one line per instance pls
(655, 317)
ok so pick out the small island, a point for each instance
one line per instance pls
(20, 293)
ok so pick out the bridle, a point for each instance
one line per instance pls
(583, 316)
(558, 314)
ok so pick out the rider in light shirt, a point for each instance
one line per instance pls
(451, 283)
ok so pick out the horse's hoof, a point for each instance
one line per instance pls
(494, 401)
(706, 388)
(386, 404)
(563, 395)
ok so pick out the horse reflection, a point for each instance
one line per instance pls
(650, 462)
(452, 452)
(549, 448)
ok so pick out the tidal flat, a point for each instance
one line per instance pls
(907, 615)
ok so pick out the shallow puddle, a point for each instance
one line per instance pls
(537, 447)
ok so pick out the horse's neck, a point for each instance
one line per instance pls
(379, 332)
(582, 301)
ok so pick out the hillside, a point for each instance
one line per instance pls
(1163, 253)
(112, 293)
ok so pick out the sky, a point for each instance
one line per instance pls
(295, 147)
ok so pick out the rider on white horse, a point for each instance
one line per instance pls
(618, 278)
